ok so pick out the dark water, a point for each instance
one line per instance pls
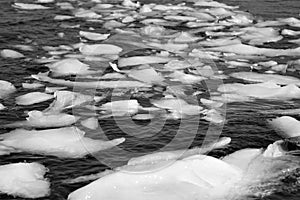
(268, 9)
(245, 125)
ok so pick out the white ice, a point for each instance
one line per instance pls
(33, 98)
(24, 180)
(6, 88)
(68, 142)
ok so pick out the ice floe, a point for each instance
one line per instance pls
(148, 75)
(252, 50)
(67, 99)
(139, 60)
(266, 90)
(6, 88)
(30, 6)
(191, 177)
(287, 126)
(69, 142)
(100, 49)
(174, 155)
(24, 180)
(90, 123)
(260, 77)
(93, 36)
(33, 98)
(32, 85)
(178, 107)
(38, 119)
(91, 84)
(69, 67)
(120, 108)
(8, 53)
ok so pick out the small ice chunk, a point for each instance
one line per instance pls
(186, 78)
(63, 17)
(287, 126)
(290, 32)
(93, 36)
(67, 99)
(91, 123)
(177, 106)
(121, 108)
(8, 53)
(214, 116)
(29, 6)
(185, 37)
(54, 89)
(45, 1)
(148, 75)
(69, 66)
(260, 78)
(89, 14)
(139, 60)
(32, 85)
(129, 3)
(211, 103)
(99, 49)
(142, 117)
(6, 88)
(2, 107)
(24, 47)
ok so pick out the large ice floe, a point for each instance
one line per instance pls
(69, 142)
(165, 176)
